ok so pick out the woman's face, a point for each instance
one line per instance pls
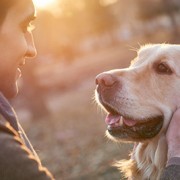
(16, 44)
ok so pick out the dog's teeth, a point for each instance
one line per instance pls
(121, 121)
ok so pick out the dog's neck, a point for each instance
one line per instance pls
(147, 161)
(150, 158)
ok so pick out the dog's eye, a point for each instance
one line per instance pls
(163, 68)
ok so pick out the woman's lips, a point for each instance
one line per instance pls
(18, 73)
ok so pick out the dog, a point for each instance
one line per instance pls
(140, 101)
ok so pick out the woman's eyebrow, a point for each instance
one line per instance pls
(28, 19)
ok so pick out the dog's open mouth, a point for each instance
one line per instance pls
(127, 128)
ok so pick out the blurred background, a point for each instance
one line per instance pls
(76, 40)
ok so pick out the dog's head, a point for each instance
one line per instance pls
(141, 99)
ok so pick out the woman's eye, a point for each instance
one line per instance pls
(163, 68)
(29, 27)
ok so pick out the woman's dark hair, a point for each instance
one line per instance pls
(4, 7)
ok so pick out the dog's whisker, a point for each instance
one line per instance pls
(132, 48)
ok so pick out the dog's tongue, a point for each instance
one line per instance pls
(129, 122)
(112, 119)
(115, 118)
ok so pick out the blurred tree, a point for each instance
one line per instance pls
(101, 18)
(62, 33)
(151, 9)
(86, 18)
(170, 8)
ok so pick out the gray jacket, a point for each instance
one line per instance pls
(172, 170)
(18, 160)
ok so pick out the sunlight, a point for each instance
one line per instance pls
(43, 4)
(107, 2)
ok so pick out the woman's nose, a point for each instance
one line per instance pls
(31, 49)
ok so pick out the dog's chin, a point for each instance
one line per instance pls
(140, 131)
(128, 128)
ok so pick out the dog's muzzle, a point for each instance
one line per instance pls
(119, 125)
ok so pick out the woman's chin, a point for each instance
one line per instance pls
(11, 91)
(18, 74)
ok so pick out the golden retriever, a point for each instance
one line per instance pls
(140, 101)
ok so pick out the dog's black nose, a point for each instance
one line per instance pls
(105, 79)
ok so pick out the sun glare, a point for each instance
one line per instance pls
(42, 4)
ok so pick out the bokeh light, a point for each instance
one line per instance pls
(43, 4)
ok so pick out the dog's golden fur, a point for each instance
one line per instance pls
(145, 93)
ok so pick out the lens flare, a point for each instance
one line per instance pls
(43, 4)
